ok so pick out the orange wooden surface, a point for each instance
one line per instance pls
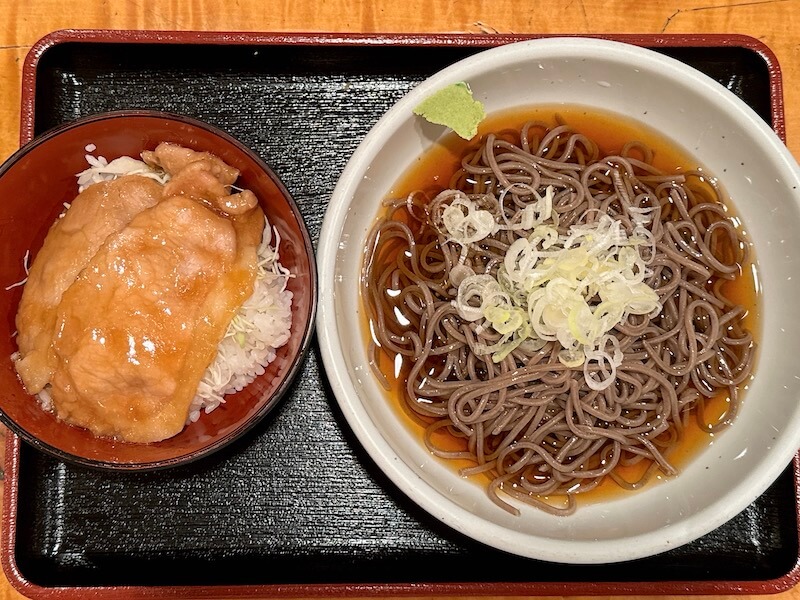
(774, 22)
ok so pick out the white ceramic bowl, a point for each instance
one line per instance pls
(760, 175)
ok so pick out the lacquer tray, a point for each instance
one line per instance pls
(297, 508)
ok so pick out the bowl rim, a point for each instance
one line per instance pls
(307, 335)
(404, 476)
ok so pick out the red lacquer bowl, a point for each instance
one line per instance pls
(34, 184)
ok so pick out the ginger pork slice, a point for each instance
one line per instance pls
(141, 324)
(100, 211)
(173, 159)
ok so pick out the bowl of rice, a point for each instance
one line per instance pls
(265, 341)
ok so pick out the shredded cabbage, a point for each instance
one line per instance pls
(102, 170)
(573, 288)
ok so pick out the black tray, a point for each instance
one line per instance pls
(297, 507)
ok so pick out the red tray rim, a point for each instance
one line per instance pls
(8, 527)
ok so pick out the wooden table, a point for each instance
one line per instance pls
(774, 22)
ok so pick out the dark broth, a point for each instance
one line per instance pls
(432, 172)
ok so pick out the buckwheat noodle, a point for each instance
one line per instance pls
(529, 422)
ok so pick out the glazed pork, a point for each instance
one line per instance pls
(131, 294)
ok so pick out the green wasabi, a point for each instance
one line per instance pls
(453, 107)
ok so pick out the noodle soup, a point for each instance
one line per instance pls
(552, 400)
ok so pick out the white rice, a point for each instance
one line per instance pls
(260, 326)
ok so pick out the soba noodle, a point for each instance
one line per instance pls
(535, 425)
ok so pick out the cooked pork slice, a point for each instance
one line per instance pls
(173, 159)
(100, 211)
(142, 323)
(197, 181)
(132, 292)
